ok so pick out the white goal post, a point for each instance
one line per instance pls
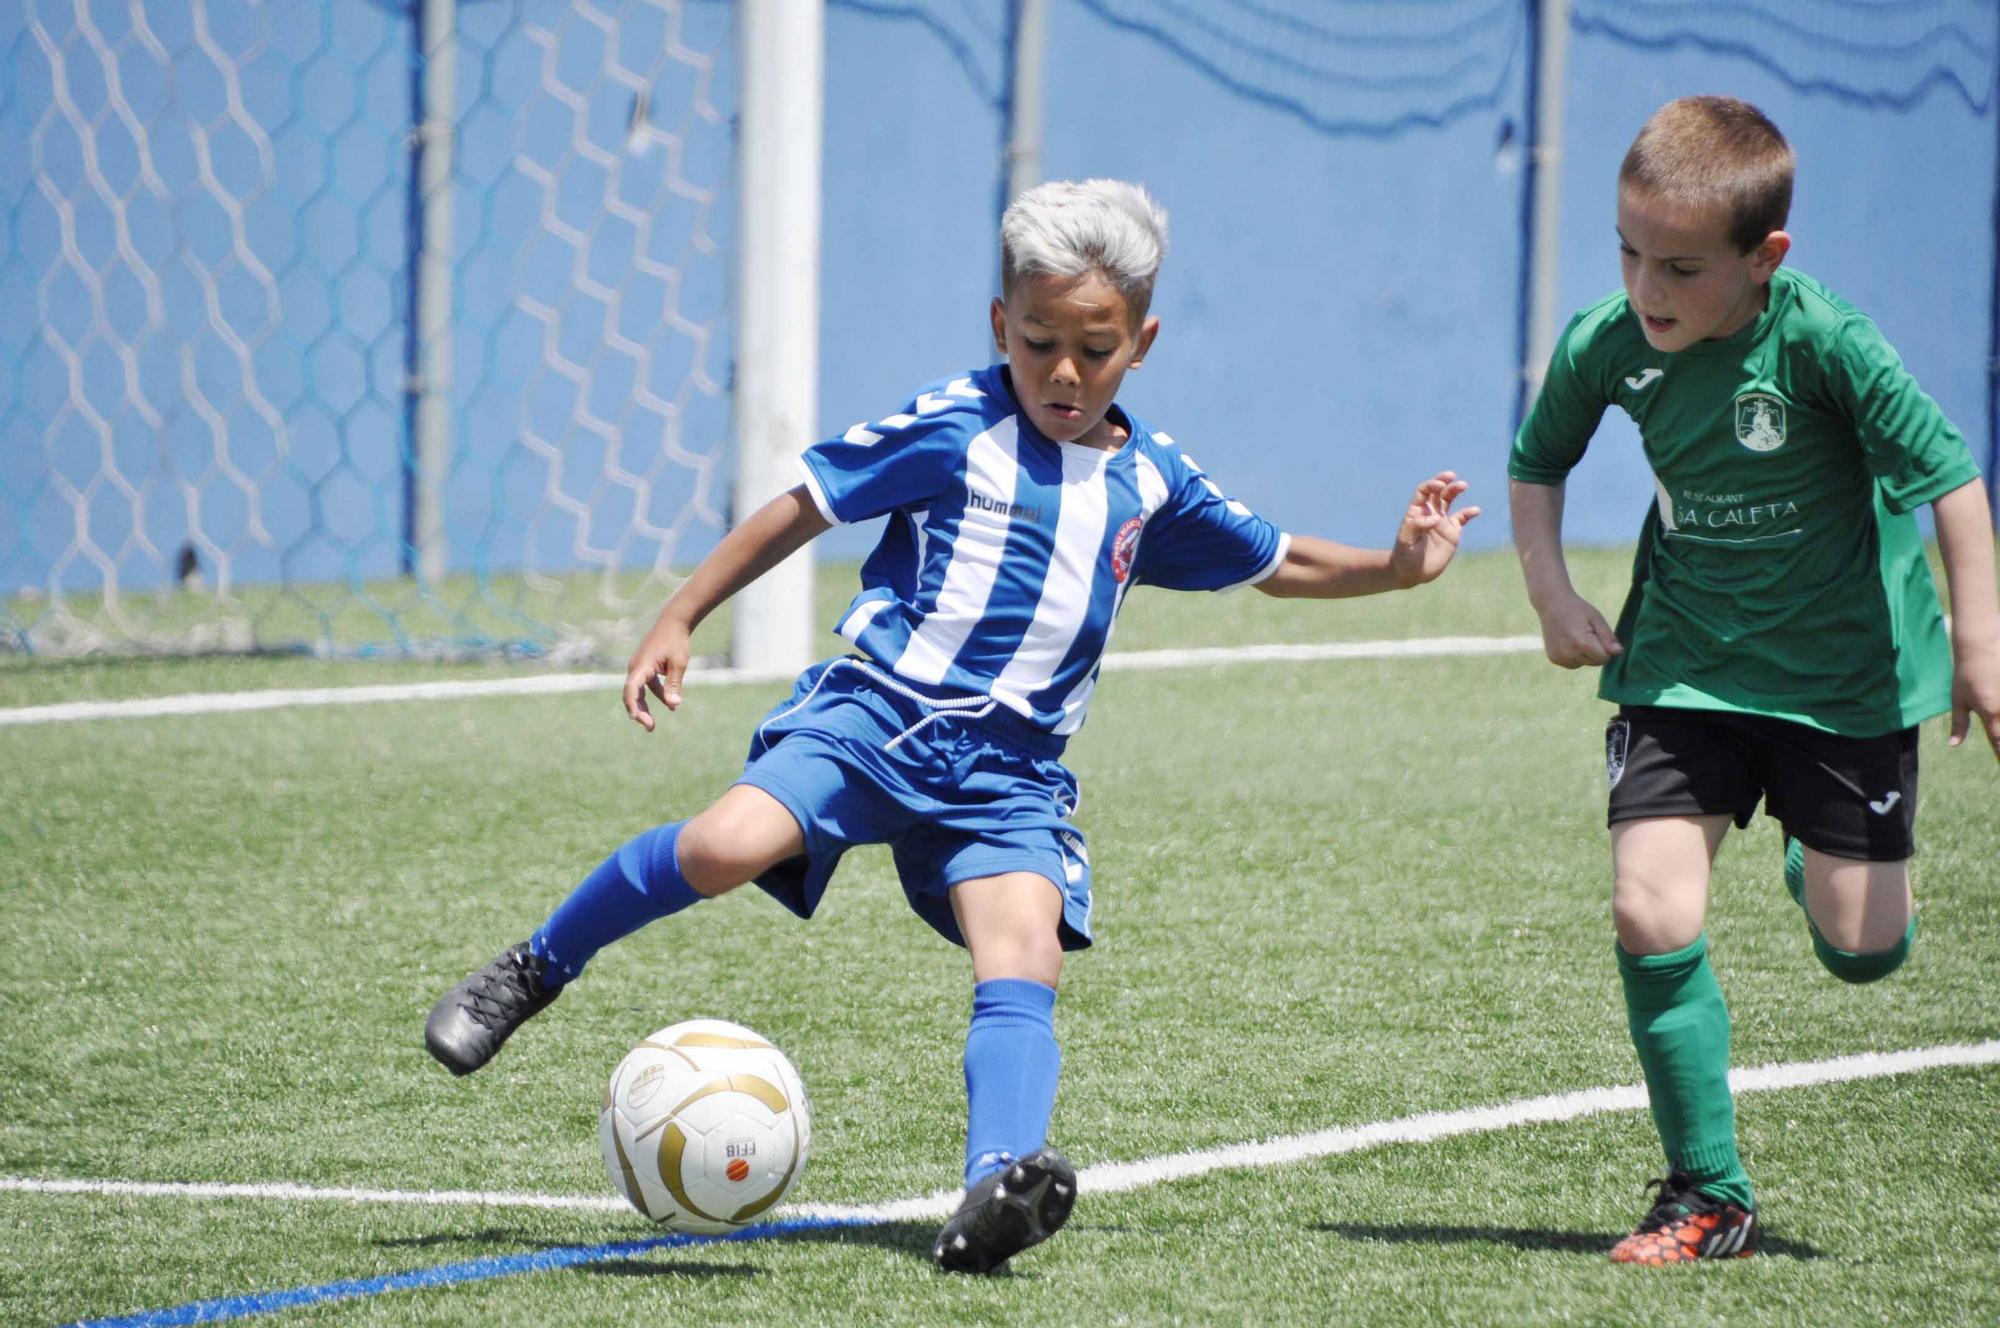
(777, 316)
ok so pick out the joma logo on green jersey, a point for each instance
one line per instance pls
(1760, 421)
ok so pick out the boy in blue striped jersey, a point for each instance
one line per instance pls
(1022, 505)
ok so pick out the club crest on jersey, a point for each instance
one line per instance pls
(1123, 546)
(1760, 421)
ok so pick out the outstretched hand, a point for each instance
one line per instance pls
(1428, 536)
(657, 666)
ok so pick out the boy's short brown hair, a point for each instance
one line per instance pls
(1716, 152)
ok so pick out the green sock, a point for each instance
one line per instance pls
(1795, 870)
(1680, 1027)
(1849, 966)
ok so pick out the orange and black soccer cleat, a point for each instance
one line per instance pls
(1685, 1225)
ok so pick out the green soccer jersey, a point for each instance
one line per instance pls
(1780, 571)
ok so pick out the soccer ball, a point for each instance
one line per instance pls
(705, 1127)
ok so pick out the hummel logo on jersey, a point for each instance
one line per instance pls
(1644, 379)
(979, 502)
(1883, 807)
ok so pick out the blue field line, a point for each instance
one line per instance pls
(225, 1308)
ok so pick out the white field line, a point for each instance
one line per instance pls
(204, 1190)
(544, 684)
(1113, 1177)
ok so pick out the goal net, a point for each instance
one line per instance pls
(358, 328)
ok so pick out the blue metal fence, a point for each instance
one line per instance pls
(209, 216)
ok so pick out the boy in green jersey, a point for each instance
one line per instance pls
(1782, 637)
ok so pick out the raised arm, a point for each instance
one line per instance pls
(1425, 542)
(773, 533)
(1573, 632)
(1965, 546)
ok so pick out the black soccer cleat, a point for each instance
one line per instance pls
(470, 1021)
(1022, 1204)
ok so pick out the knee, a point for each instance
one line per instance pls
(1864, 966)
(1012, 924)
(710, 854)
(1031, 953)
(1037, 958)
(1649, 920)
(1860, 915)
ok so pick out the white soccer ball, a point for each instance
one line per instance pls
(705, 1127)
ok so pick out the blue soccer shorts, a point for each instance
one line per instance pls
(959, 788)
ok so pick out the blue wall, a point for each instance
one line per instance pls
(1340, 305)
(1337, 305)
(1894, 204)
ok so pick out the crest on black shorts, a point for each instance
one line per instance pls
(1617, 736)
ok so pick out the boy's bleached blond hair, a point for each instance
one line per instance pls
(1716, 152)
(1066, 228)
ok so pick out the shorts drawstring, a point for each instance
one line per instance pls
(969, 707)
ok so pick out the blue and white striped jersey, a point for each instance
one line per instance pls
(1007, 555)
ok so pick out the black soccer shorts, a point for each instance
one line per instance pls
(1848, 797)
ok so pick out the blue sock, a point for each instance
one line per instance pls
(640, 882)
(1011, 1062)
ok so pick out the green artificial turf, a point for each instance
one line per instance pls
(1328, 893)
